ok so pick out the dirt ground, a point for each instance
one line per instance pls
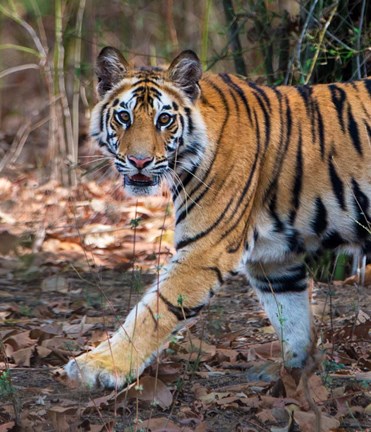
(72, 263)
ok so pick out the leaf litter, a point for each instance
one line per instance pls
(71, 266)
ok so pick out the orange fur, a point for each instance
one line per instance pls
(275, 172)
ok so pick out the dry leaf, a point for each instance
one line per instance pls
(55, 283)
(152, 390)
(7, 426)
(307, 421)
(23, 356)
(159, 424)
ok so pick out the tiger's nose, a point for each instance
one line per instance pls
(140, 162)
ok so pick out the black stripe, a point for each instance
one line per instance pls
(241, 198)
(321, 130)
(189, 240)
(361, 206)
(281, 151)
(235, 101)
(305, 92)
(261, 92)
(293, 280)
(368, 128)
(157, 93)
(184, 181)
(296, 272)
(190, 121)
(337, 184)
(338, 96)
(181, 312)
(288, 123)
(354, 133)
(319, 223)
(218, 273)
(278, 224)
(367, 83)
(146, 81)
(226, 78)
(332, 240)
(205, 101)
(137, 90)
(221, 133)
(189, 208)
(298, 181)
(152, 315)
(266, 116)
(101, 124)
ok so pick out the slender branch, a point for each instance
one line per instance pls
(234, 38)
(358, 42)
(27, 27)
(300, 42)
(19, 68)
(77, 81)
(321, 37)
(20, 48)
(224, 51)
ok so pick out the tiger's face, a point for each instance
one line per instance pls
(145, 117)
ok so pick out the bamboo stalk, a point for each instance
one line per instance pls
(77, 82)
(205, 33)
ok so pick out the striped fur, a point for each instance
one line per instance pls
(259, 176)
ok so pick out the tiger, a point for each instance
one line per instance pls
(259, 176)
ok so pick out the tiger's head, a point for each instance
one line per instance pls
(147, 119)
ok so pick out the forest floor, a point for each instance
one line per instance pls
(72, 261)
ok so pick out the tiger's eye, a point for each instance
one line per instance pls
(124, 116)
(164, 119)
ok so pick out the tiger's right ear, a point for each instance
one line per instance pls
(110, 69)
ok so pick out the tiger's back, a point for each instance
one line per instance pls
(259, 176)
(315, 176)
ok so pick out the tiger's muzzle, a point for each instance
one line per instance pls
(142, 175)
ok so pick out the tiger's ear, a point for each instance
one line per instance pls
(110, 69)
(185, 71)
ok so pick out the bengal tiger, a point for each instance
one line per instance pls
(259, 176)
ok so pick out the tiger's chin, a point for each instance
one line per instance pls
(141, 185)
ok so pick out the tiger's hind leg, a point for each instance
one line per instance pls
(282, 290)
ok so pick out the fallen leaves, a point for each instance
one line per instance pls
(152, 390)
(69, 296)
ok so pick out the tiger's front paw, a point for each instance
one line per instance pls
(105, 368)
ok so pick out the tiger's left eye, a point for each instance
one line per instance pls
(164, 119)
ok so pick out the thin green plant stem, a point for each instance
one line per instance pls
(66, 132)
(77, 81)
(19, 68)
(319, 46)
(358, 41)
(299, 44)
(205, 33)
(29, 29)
(21, 48)
(40, 24)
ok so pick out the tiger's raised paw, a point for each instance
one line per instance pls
(93, 370)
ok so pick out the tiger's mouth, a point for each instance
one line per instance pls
(140, 180)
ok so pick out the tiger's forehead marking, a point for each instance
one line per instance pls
(145, 92)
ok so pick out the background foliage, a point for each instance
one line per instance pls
(48, 50)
